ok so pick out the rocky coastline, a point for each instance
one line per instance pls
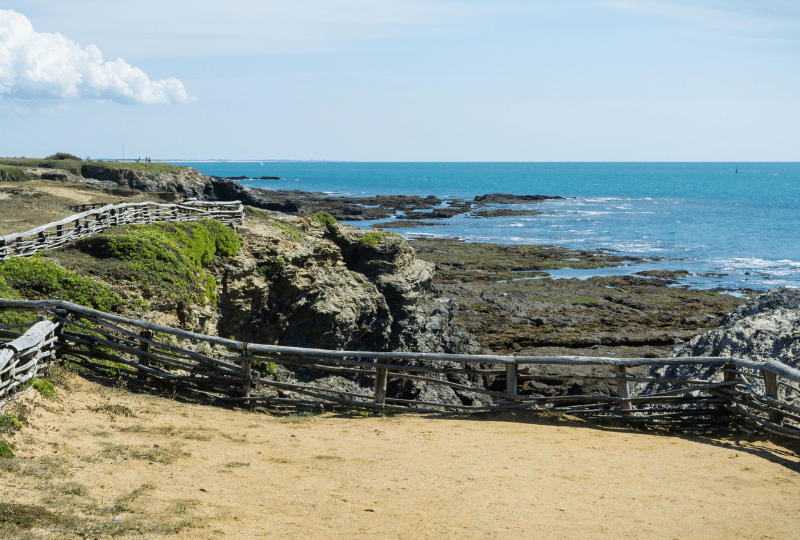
(305, 282)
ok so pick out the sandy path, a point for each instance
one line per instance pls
(251, 475)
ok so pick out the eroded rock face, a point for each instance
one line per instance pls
(297, 282)
(765, 328)
(186, 181)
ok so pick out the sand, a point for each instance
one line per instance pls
(241, 474)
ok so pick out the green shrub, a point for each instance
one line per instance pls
(9, 423)
(273, 270)
(376, 237)
(168, 256)
(12, 174)
(63, 156)
(36, 278)
(44, 386)
(5, 450)
(325, 219)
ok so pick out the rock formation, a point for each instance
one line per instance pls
(765, 328)
(301, 283)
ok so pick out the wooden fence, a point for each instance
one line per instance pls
(738, 395)
(94, 221)
(22, 358)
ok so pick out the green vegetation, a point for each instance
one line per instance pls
(75, 165)
(62, 156)
(273, 270)
(255, 212)
(9, 423)
(154, 454)
(44, 386)
(264, 368)
(5, 452)
(289, 230)
(167, 257)
(36, 278)
(13, 174)
(377, 237)
(324, 218)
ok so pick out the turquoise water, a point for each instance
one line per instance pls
(744, 224)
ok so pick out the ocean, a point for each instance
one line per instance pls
(730, 225)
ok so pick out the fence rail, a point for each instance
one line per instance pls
(59, 233)
(738, 395)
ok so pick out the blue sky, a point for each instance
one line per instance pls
(416, 80)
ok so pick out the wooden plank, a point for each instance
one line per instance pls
(381, 381)
(511, 379)
(772, 390)
(147, 335)
(35, 335)
(247, 371)
(623, 389)
(605, 361)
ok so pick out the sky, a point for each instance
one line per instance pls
(410, 80)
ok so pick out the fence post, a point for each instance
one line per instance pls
(511, 378)
(772, 389)
(144, 359)
(623, 390)
(247, 370)
(381, 377)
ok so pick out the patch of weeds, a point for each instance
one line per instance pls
(43, 468)
(257, 213)
(324, 218)
(328, 458)
(10, 422)
(34, 278)
(167, 431)
(114, 410)
(5, 450)
(273, 270)
(377, 237)
(13, 174)
(195, 435)
(289, 230)
(165, 257)
(264, 368)
(156, 454)
(44, 386)
(122, 502)
(581, 300)
(362, 412)
(237, 464)
(25, 517)
(73, 488)
(296, 418)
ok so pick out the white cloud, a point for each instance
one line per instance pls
(36, 65)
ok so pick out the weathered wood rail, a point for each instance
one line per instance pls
(21, 359)
(740, 394)
(59, 233)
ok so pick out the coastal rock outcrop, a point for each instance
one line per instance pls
(302, 283)
(507, 198)
(186, 181)
(765, 328)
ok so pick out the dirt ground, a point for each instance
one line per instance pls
(26, 205)
(98, 461)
